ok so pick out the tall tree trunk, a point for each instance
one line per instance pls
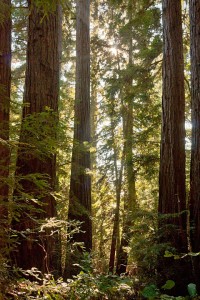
(195, 153)
(130, 202)
(172, 191)
(118, 187)
(94, 114)
(80, 184)
(36, 161)
(94, 85)
(5, 84)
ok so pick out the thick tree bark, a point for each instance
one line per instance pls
(5, 84)
(80, 184)
(195, 153)
(36, 161)
(172, 191)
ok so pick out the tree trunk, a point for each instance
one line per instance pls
(94, 85)
(130, 202)
(195, 153)
(80, 184)
(118, 187)
(172, 191)
(36, 161)
(115, 232)
(5, 83)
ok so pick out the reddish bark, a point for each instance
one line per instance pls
(80, 184)
(195, 153)
(172, 191)
(35, 155)
(5, 83)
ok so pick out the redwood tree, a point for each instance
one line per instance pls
(80, 184)
(195, 152)
(172, 191)
(130, 203)
(5, 83)
(36, 161)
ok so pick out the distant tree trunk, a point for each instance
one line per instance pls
(115, 232)
(130, 202)
(5, 84)
(36, 161)
(94, 85)
(118, 187)
(80, 184)
(195, 153)
(93, 115)
(172, 191)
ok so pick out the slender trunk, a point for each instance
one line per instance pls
(115, 231)
(5, 83)
(94, 86)
(118, 187)
(195, 153)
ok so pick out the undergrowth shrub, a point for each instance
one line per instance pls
(86, 285)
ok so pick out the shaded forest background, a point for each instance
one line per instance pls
(99, 149)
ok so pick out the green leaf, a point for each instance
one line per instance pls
(194, 253)
(168, 285)
(192, 289)
(150, 291)
(168, 254)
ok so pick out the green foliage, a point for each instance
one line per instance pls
(4, 12)
(46, 6)
(5, 276)
(150, 292)
(176, 256)
(168, 285)
(94, 286)
(192, 289)
(39, 132)
(86, 285)
(89, 284)
(49, 6)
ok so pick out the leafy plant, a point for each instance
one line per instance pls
(168, 285)
(150, 291)
(192, 289)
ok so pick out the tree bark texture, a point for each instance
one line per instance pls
(5, 84)
(172, 157)
(195, 151)
(172, 191)
(36, 161)
(80, 183)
